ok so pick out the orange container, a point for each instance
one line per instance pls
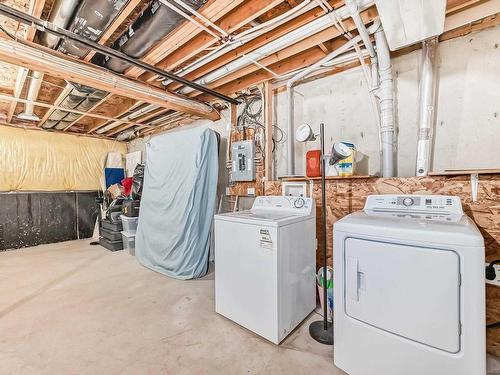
(313, 163)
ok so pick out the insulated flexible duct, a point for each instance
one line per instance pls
(81, 98)
(92, 18)
(153, 24)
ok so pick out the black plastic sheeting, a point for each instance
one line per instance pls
(30, 219)
(91, 19)
(154, 23)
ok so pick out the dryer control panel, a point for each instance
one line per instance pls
(441, 204)
(297, 205)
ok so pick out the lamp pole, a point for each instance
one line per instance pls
(322, 331)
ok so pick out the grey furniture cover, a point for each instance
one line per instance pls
(178, 203)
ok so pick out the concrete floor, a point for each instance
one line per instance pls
(72, 308)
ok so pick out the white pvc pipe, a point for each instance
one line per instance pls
(201, 17)
(60, 16)
(386, 98)
(294, 36)
(355, 10)
(245, 37)
(34, 88)
(189, 18)
(290, 124)
(427, 106)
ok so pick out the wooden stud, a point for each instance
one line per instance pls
(268, 121)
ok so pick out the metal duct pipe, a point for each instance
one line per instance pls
(33, 90)
(153, 24)
(61, 15)
(91, 19)
(386, 99)
(427, 105)
(354, 9)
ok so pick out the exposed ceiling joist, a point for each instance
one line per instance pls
(58, 65)
(324, 36)
(252, 45)
(89, 112)
(183, 34)
(231, 23)
(45, 105)
(122, 110)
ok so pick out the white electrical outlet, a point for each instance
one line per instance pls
(251, 192)
(495, 282)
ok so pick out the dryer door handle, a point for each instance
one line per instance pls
(352, 278)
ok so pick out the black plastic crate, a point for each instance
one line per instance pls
(111, 245)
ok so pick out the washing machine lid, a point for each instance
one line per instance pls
(444, 230)
(274, 210)
(262, 217)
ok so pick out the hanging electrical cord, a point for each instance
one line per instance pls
(251, 117)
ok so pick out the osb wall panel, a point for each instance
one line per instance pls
(349, 195)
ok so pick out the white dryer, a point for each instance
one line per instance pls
(265, 265)
(409, 288)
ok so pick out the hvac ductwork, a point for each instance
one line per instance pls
(91, 19)
(427, 105)
(81, 98)
(61, 16)
(386, 99)
(153, 24)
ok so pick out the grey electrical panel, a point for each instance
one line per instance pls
(243, 161)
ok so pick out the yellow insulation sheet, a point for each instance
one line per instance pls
(45, 161)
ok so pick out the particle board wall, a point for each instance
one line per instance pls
(32, 160)
(349, 195)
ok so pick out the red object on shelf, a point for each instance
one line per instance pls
(313, 163)
(127, 185)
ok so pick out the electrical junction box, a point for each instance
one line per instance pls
(243, 161)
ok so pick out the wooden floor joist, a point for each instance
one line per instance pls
(58, 65)
(183, 34)
(230, 23)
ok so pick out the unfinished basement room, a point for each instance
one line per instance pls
(266, 187)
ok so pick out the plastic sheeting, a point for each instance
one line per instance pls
(178, 203)
(33, 160)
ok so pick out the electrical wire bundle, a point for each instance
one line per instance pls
(251, 117)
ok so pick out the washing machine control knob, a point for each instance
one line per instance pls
(299, 203)
(408, 202)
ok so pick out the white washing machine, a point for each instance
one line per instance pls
(409, 289)
(265, 264)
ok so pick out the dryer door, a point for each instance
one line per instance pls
(409, 291)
